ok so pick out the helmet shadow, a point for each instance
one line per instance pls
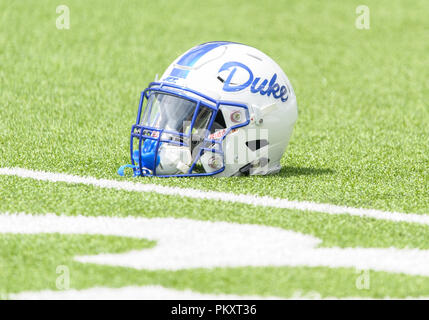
(289, 171)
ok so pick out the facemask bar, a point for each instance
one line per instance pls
(147, 135)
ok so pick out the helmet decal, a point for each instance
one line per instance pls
(192, 56)
(279, 92)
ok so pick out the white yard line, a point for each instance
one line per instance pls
(263, 201)
(188, 244)
(154, 292)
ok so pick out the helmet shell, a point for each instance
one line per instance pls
(239, 73)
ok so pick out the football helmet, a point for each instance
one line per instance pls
(221, 109)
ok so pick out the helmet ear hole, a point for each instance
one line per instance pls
(256, 144)
(219, 122)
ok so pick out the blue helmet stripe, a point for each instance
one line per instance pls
(193, 55)
(179, 73)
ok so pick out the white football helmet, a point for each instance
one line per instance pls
(221, 108)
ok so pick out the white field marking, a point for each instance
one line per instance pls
(185, 243)
(156, 292)
(130, 293)
(263, 201)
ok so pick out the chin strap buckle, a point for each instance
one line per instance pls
(121, 170)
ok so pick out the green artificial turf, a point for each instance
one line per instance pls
(68, 99)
